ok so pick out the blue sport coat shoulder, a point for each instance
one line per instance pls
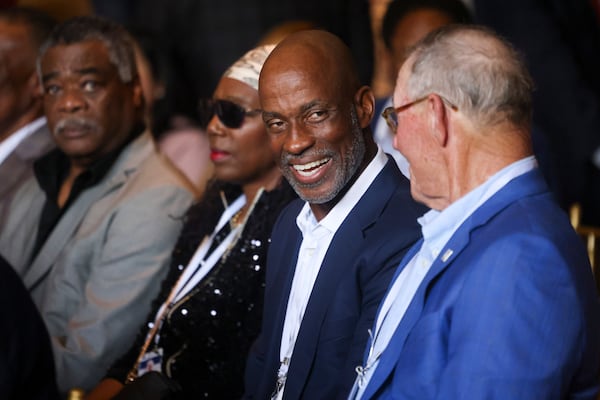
(511, 313)
(353, 277)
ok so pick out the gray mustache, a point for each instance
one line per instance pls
(287, 158)
(76, 124)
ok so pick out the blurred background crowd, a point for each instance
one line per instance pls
(189, 43)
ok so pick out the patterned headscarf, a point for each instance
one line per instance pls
(247, 69)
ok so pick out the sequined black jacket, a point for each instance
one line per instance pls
(207, 335)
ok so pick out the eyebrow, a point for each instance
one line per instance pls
(311, 105)
(304, 108)
(82, 71)
(270, 114)
(89, 70)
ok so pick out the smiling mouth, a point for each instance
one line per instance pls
(311, 167)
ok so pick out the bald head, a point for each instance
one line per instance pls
(320, 55)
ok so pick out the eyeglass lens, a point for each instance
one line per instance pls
(391, 118)
(230, 114)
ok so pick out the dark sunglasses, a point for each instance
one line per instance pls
(229, 113)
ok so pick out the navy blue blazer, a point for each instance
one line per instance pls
(353, 277)
(513, 313)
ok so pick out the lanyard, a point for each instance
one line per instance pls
(196, 269)
(201, 262)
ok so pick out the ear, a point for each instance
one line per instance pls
(138, 95)
(439, 119)
(34, 85)
(364, 100)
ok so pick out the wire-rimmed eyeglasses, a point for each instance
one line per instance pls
(390, 114)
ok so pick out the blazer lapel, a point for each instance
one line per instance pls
(411, 316)
(59, 237)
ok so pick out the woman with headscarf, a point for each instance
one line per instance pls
(209, 310)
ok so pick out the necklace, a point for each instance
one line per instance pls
(236, 219)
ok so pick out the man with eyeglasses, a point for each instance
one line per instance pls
(497, 300)
(333, 252)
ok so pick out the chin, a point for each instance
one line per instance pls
(78, 153)
(320, 196)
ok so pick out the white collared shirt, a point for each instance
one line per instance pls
(437, 228)
(316, 238)
(9, 144)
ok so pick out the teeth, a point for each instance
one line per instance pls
(310, 165)
(310, 168)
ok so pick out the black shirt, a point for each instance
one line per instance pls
(51, 170)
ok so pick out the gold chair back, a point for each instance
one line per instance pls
(590, 234)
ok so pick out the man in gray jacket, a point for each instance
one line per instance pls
(91, 232)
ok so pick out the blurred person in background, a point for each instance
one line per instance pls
(179, 138)
(560, 41)
(404, 23)
(24, 134)
(204, 37)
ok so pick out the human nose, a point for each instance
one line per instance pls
(215, 127)
(299, 139)
(72, 101)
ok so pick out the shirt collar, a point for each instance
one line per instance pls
(439, 226)
(332, 221)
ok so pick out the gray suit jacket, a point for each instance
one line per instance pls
(96, 274)
(17, 167)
